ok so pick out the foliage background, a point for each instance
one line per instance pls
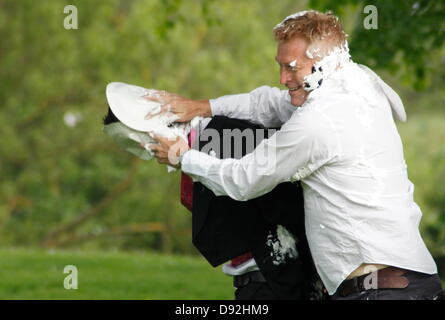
(69, 186)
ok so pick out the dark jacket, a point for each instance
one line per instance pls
(224, 228)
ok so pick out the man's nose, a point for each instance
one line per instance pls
(284, 77)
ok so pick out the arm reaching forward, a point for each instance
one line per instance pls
(265, 105)
(304, 144)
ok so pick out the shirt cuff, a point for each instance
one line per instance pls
(196, 163)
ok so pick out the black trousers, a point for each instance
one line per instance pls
(421, 287)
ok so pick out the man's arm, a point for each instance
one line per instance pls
(304, 144)
(265, 105)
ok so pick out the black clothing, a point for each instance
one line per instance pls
(421, 287)
(224, 228)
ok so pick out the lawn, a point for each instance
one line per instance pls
(38, 274)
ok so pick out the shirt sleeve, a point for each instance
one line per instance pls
(265, 105)
(305, 143)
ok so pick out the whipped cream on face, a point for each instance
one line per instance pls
(355, 80)
(313, 53)
(328, 65)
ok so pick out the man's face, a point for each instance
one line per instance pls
(294, 66)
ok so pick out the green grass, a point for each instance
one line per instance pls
(38, 274)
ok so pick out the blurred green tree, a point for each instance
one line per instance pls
(62, 180)
(409, 39)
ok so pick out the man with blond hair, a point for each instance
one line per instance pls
(337, 137)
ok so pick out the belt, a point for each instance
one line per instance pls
(388, 278)
(245, 279)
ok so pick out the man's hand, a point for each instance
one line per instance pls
(185, 109)
(168, 151)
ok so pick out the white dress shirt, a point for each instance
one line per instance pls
(344, 146)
